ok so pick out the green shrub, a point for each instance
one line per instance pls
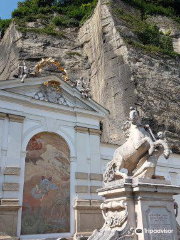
(4, 24)
(64, 21)
(49, 30)
(152, 7)
(148, 35)
(165, 42)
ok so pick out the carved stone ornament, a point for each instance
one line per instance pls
(51, 92)
(139, 154)
(103, 234)
(115, 213)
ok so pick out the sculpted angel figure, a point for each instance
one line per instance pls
(140, 152)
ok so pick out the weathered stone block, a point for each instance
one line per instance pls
(10, 202)
(95, 176)
(81, 175)
(10, 186)
(9, 220)
(12, 171)
(88, 217)
(93, 189)
(82, 189)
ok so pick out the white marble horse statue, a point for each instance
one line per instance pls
(139, 154)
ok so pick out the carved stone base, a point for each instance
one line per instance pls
(88, 217)
(104, 234)
(8, 221)
(154, 207)
(140, 209)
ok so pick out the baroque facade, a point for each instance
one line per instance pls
(52, 160)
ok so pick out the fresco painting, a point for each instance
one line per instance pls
(46, 196)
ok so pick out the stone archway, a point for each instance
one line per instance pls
(46, 195)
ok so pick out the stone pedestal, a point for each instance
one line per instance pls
(8, 220)
(154, 209)
(139, 209)
(88, 217)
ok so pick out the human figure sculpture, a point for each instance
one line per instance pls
(83, 87)
(23, 71)
(139, 154)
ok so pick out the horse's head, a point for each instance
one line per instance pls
(134, 116)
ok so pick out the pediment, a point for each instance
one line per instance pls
(50, 90)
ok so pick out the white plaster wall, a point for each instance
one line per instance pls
(84, 148)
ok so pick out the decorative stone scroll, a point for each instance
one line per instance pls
(115, 213)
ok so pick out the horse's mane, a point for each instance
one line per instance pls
(126, 128)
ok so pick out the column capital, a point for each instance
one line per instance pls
(3, 115)
(16, 118)
(93, 131)
(81, 129)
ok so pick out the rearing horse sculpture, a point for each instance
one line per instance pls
(135, 154)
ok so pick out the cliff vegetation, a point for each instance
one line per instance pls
(145, 35)
(53, 15)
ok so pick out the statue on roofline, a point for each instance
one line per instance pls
(83, 87)
(25, 72)
(139, 154)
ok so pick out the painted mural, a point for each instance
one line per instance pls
(46, 197)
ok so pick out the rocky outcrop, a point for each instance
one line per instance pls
(120, 74)
(32, 47)
(110, 71)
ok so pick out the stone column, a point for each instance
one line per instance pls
(11, 163)
(3, 147)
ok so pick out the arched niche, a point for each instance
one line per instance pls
(46, 195)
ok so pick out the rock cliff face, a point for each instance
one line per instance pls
(32, 47)
(120, 75)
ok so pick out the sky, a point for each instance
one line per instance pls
(6, 8)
